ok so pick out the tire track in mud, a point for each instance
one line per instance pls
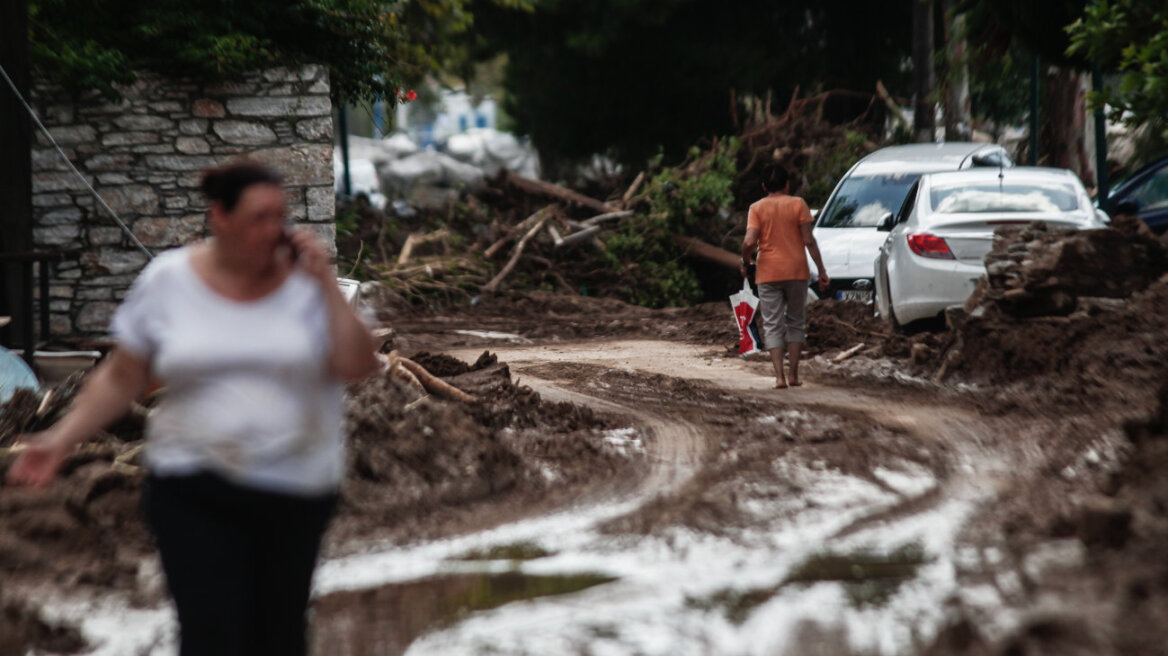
(679, 446)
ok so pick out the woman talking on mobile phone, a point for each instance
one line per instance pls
(253, 341)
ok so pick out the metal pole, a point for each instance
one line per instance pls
(1102, 183)
(347, 180)
(1034, 73)
(15, 172)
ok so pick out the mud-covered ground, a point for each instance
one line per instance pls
(627, 484)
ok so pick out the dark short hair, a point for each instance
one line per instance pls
(225, 184)
(775, 177)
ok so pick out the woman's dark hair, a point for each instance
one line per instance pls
(775, 177)
(225, 184)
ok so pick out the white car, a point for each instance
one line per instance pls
(876, 185)
(935, 246)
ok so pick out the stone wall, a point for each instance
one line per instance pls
(144, 155)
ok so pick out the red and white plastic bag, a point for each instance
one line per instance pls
(745, 304)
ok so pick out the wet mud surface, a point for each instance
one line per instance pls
(991, 488)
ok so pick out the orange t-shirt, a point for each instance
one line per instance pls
(781, 253)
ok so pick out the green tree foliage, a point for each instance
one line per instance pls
(677, 201)
(1129, 36)
(630, 76)
(372, 48)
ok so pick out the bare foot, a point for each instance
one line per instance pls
(796, 383)
(780, 384)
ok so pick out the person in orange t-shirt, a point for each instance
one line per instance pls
(779, 226)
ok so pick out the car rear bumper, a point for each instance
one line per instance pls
(928, 287)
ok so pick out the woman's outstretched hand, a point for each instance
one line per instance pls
(38, 464)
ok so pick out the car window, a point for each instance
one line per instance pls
(1152, 194)
(994, 197)
(862, 200)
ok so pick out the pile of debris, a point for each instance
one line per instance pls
(1085, 308)
(668, 236)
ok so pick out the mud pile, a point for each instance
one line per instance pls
(1086, 309)
(411, 458)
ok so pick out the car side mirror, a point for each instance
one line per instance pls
(886, 222)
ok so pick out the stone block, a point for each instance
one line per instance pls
(63, 216)
(129, 138)
(208, 108)
(105, 236)
(143, 122)
(51, 200)
(280, 107)
(118, 162)
(58, 235)
(280, 90)
(312, 72)
(320, 86)
(60, 305)
(192, 145)
(153, 149)
(107, 281)
(113, 178)
(193, 126)
(60, 291)
(175, 202)
(306, 164)
(248, 133)
(131, 199)
(66, 135)
(181, 162)
(322, 203)
(166, 106)
(316, 129)
(57, 181)
(280, 74)
(48, 159)
(95, 316)
(61, 114)
(166, 231)
(72, 274)
(95, 294)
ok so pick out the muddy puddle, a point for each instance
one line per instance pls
(386, 620)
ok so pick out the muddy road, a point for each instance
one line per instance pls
(628, 485)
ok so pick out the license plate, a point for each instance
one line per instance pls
(861, 295)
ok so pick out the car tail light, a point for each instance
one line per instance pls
(927, 245)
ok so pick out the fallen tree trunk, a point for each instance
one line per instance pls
(549, 190)
(415, 240)
(702, 250)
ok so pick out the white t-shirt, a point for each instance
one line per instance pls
(248, 394)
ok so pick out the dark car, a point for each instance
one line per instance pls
(1147, 188)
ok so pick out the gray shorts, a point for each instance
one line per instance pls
(783, 306)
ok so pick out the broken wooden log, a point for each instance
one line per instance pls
(518, 228)
(700, 249)
(596, 220)
(633, 188)
(549, 190)
(848, 353)
(579, 236)
(415, 240)
(515, 253)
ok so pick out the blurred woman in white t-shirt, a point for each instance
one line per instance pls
(253, 340)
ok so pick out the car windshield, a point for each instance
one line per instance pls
(964, 197)
(861, 201)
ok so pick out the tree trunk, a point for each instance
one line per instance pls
(924, 75)
(958, 123)
(1064, 135)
